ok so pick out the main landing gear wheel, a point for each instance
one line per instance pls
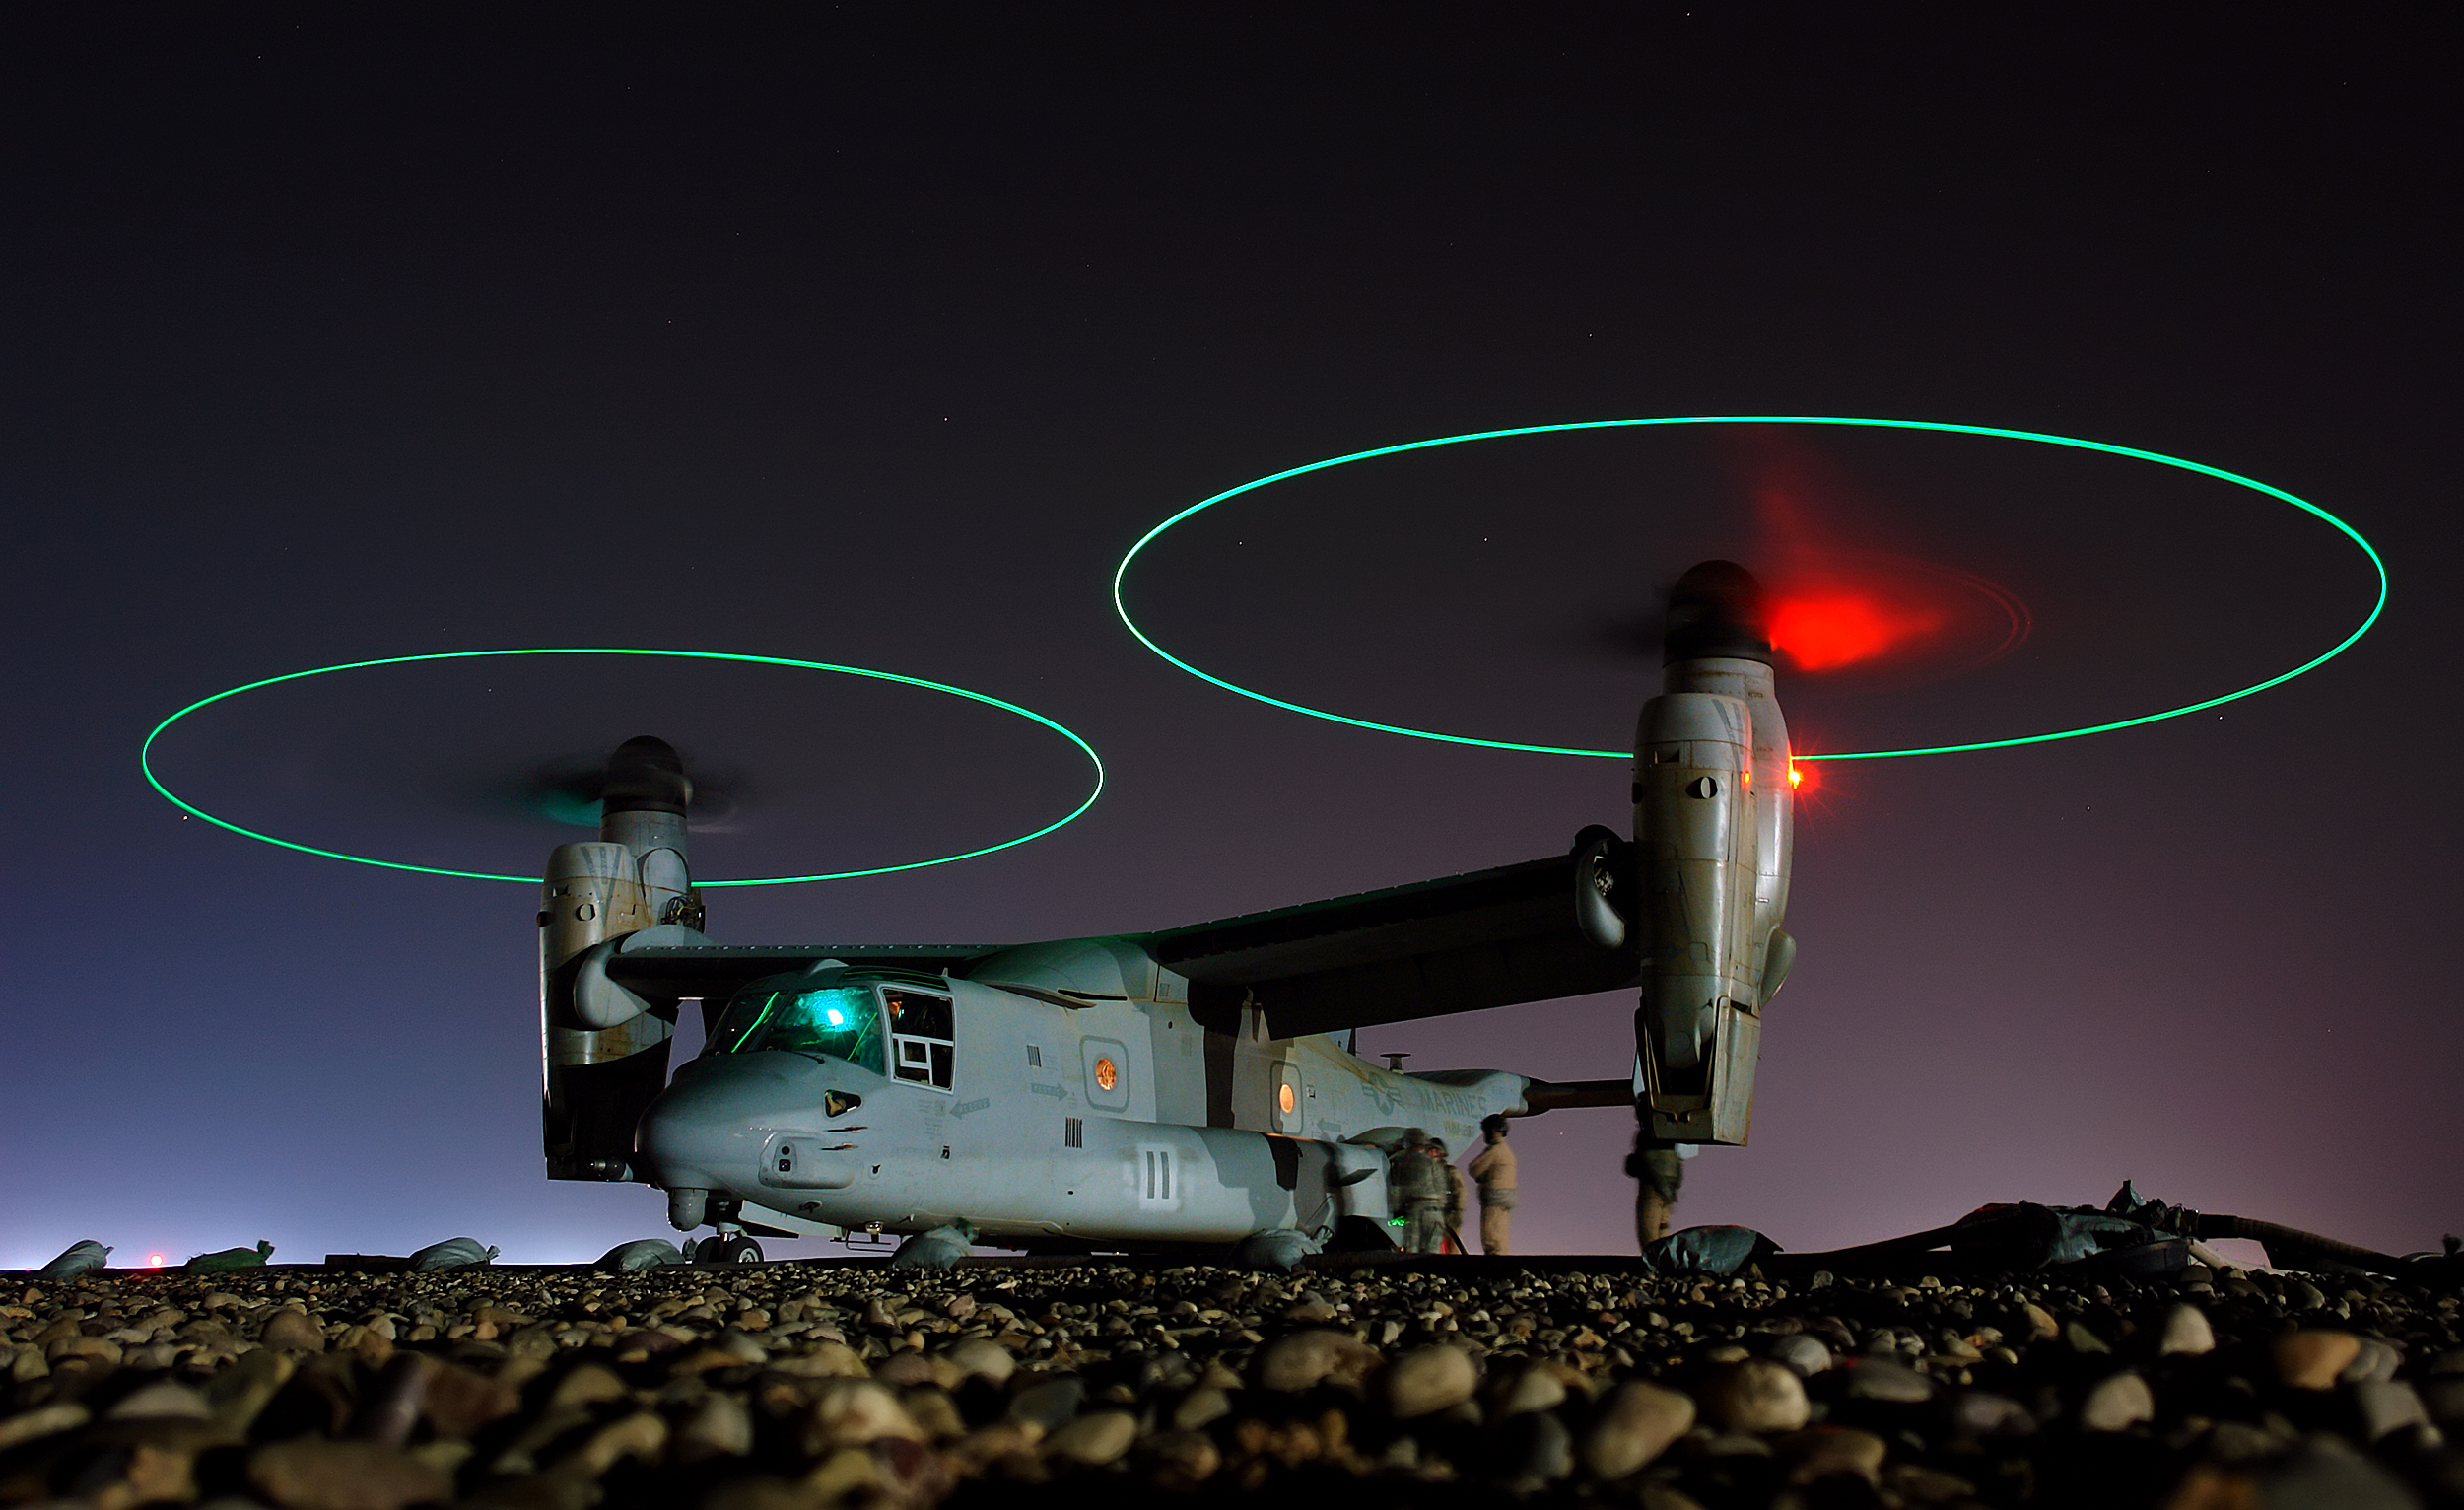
(733, 1248)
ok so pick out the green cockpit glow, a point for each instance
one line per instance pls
(1121, 574)
(144, 757)
(839, 1022)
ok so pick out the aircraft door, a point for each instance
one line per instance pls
(1290, 1112)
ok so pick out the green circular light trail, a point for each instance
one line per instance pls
(1120, 573)
(145, 753)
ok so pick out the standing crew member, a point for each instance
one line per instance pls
(1420, 1191)
(1494, 1170)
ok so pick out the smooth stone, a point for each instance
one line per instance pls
(289, 1331)
(2376, 1360)
(163, 1398)
(2041, 1327)
(2324, 1470)
(1200, 1408)
(1427, 1379)
(1635, 1427)
(856, 1412)
(458, 1401)
(1533, 1389)
(2305, 1296)
(1894, 1383)
(2186, 1331)
(2311, 1360)
(982, 1358)
(1094, 1439)
(641, 1436)
(1974, 1414)
(1312, 1310)
(1182, 1460)
(1801, 1352)
(1048, 1404)
(305, 1473)
(1756, 1395)
(2117, 1403)
(1540, 1448)
(585, 1384)
(43, 1421)
(1822, 1451)
(2080, 1339)
(2388, 1404)
(1305, 1359)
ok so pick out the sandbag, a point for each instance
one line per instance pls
(1708, 1251)
(1279, 1250)
(231, 1258)
(643, 1253)
(82, 1257)
(939, 1248)
(452, 1253)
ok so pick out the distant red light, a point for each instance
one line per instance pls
(155, 1259)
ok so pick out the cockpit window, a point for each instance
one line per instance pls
(842, 1022)
(922, 1037)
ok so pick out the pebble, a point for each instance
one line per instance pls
(2186, 1332)
(305, 1473)
(1305, 1359)
(1530, 1389)
(1635, 1427)
(2311, 1360)
(1881, 1379)
(1756, 1395)
(2117, 1403)
(1094, 1439)
(1428, 1380)
(2388, 1404)
(292, 1332)
(719, 1427)
(1047, 1406)
(809, 1386)
(1826, 1450)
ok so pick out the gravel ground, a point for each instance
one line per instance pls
(799, 1386)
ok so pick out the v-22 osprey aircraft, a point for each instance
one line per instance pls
(1189, 1090)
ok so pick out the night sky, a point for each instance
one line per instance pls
(875, 337)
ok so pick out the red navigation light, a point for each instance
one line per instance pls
(1796, 777)
(1820, 629)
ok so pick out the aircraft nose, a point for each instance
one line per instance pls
(706, 1129)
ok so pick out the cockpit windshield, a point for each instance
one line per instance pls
(842, 1022)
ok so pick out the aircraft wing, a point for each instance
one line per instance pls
(671, 972)
(1487, 938)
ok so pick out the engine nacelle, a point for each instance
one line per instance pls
(1713, 829)
(604, 1049)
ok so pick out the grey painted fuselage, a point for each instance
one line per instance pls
(1115, 1119)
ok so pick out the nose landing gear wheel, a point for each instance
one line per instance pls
(726, 1248)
